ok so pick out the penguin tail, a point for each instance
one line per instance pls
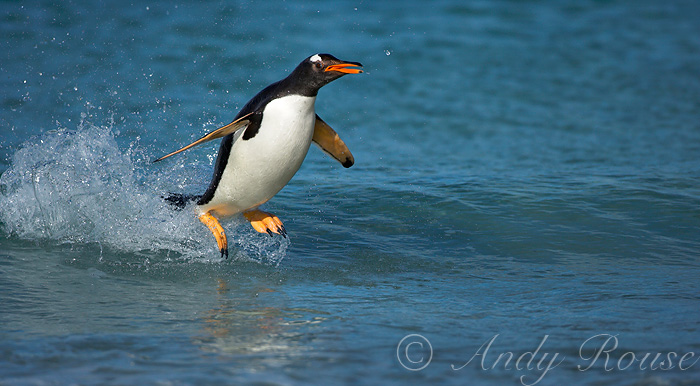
(180, 200)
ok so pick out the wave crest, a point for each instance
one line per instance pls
(77, 186)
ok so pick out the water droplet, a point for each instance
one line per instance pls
(387, 52)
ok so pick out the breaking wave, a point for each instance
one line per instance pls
(77, 186)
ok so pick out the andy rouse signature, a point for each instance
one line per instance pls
(601, 351)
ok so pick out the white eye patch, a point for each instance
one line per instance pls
(315, 58)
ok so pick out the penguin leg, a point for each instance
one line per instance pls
(217, 230)
(265, 222)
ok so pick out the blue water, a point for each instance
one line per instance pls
(527, 174)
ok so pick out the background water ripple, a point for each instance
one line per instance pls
(523, 169)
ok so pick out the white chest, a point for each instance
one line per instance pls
(287, 123)
(261, 166)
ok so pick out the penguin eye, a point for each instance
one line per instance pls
(318, 64)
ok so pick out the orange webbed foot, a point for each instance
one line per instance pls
(264, 222)
(217, 230)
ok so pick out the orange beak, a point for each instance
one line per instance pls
(344, 68)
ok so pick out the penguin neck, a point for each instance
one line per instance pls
(300, 83)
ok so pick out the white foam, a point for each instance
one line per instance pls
(78, 187)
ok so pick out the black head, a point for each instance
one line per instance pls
(318, 70)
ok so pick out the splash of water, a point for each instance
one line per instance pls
(77, 186)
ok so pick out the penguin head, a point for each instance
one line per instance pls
(331, 67)
(320, 69)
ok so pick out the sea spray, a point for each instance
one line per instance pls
(77, 186)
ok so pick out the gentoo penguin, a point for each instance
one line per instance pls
(265, 145)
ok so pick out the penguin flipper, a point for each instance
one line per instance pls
(218, 133)
(328, 140)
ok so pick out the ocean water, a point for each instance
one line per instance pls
(524, 207)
